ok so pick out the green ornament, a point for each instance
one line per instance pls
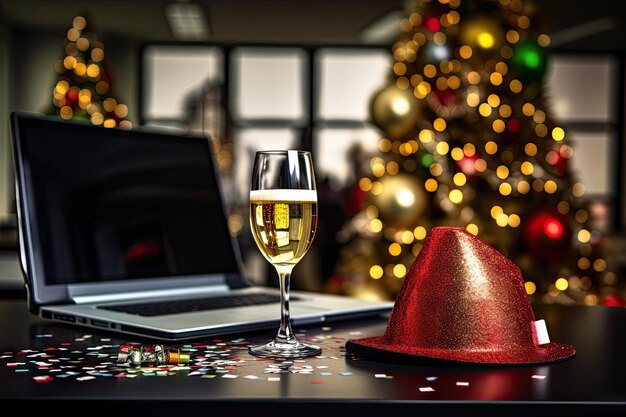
(529, 61)
(427, 160)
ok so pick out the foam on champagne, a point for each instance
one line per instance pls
(286, 195)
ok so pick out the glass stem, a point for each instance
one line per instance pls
(285, 334)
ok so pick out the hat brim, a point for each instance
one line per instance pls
(374, 348)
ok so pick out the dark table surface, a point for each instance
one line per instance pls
(593, 383)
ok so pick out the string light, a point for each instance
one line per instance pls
(558, 134)
(395, 249)
(584, 236)
(442, 148)
(561, 284)
(376, 272)
(399, 271)
(376, 225)
(431, 185)
(472, 228)
(530, 287)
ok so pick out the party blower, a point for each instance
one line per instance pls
(462, 302)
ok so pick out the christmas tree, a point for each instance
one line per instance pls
(469, 141)
(82, 90)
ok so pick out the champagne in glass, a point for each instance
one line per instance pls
(283, 219)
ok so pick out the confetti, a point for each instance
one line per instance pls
(462, 384)
(426, 389)
(538, 377)
(431, 378)
(85, 358)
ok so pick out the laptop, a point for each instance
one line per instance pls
(126, 231)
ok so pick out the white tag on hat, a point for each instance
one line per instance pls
(542, 332)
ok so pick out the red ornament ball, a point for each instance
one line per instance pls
(432, 23)
(467, 165)
(547, 234)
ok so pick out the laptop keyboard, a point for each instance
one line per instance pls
(161, 308)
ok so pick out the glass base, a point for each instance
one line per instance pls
(274, 349)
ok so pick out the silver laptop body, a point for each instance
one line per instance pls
(110, 217)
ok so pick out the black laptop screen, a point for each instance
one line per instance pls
(111, 205)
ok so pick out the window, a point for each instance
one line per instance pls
(172, 74)
(581, 93)
(287, 96)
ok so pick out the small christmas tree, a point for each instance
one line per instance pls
(469, 141)
(82, 90)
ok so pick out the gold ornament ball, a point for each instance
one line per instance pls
(395, 111)
(481, 33)
(402, 201)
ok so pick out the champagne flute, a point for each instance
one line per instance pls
(283, 219)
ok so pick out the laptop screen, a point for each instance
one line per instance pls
(113, 205)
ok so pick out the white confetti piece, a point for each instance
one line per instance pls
(431, 378)
(538, 377)
(86, 378)
(380, 375)
(229, 376)
(251, 377)
(273, 379)
(462, 384)
(426, 389)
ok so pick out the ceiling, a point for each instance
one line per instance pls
(578, 26)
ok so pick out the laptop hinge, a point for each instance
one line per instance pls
(150, 294)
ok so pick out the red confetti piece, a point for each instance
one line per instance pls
(42, 379)
(316, 381)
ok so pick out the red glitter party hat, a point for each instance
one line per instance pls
(462, 302)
